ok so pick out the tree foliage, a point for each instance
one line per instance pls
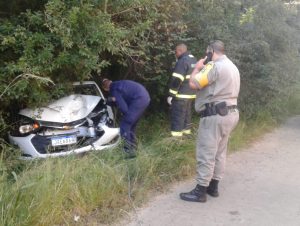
(65, 41)
(262, 42)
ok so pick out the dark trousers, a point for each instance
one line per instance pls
(130, 120)
(181, 115)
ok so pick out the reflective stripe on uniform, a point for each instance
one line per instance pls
(181, 77)
(173, 91)
(202, 76)
(187, 76)
(176, 134)
(187, 131)
(185, 96)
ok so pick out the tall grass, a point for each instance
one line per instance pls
(249, 130)
(98, 186)
(101, 186)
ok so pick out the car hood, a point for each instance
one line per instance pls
(65, 110)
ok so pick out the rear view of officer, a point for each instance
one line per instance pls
(181, 95)
(218, 85)
(132, 99)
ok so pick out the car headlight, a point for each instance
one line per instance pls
(28, 128)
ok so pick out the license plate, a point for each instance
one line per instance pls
(66, 140)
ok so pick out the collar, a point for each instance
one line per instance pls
(183, 55)
(223, 57)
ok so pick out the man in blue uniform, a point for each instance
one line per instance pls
(132, 99)
(181, 95)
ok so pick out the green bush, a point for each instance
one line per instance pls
(55, 41)
(66, 41)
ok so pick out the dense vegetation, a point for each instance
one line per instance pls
(65, 41)
(46, 45)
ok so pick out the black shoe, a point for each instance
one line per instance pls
(212, 189)
(129, 153)
(198, 194)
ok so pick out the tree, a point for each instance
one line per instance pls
(65, 41)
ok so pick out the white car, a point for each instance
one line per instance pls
(77, 123)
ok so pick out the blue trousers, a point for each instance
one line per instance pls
(130, 120)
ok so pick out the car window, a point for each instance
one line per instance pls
(86, 89)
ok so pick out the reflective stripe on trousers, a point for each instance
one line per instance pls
(181, 114)
(176, 134)
(185, 96)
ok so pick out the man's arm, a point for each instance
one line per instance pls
(203, 75)
(120, 102)
(177, 78)
(198, 67)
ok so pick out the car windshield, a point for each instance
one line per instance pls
(86, 89)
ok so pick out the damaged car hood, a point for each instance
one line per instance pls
(65, 110)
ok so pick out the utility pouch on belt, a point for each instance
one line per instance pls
(214, 109)
(221, 108)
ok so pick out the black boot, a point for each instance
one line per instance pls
(212, 189)
(129, 150)
(129, 153)
(198, 194)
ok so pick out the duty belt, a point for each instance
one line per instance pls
(211, 109)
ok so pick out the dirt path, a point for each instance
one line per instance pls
(261, 188)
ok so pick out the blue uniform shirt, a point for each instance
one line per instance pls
(127, 93)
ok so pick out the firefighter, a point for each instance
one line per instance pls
(218, 85)
(132, 99)
(181, 96)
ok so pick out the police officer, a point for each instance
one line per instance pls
(217, 84)
(180, 94)
(132, 99)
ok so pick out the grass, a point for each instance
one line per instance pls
(248, 131)
(99, 187)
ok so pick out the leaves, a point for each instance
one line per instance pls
(68, 41)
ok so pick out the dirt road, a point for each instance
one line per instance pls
(261, 188)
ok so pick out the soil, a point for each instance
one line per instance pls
(261, 188)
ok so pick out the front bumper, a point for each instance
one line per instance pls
(36, 146)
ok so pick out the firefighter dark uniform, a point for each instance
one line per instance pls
(183, 95)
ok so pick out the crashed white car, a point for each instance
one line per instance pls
(77, 123)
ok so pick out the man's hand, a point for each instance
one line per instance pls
(200, 64)
(111, 99)
(169, 100)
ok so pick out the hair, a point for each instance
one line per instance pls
(216, 46)
(105, 83)
(182, 47)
